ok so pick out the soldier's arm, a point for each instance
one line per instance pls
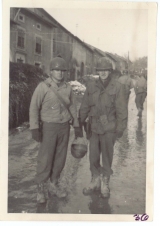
(145, 86)
(35, 106)
(84, 109)
(131, 84)
(135, 87)
(73, 109)
(121, 109)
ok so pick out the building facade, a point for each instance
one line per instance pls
(30, 38)
(36, 37)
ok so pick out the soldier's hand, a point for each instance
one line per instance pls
(78, 132)
(119, 134)
(36, 135)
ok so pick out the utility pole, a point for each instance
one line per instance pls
(128, 62)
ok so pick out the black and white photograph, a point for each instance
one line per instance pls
(79, 109)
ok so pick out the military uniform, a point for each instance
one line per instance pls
(46, 106)
(107, 108)
(141, 93)
(128, 84)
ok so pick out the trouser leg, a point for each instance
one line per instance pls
(94, 155)
(46, 153)
(128, 96)
(107, 142)
(138, 100)
(61, 152)
(143, 97)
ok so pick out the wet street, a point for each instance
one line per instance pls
(127, 184)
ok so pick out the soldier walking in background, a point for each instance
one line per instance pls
(127, 82)
(49, 107)
(141, 93)
(105, 104)
(116, 74)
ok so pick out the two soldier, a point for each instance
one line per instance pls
(105, 104)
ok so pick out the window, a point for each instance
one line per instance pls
(38, 26)
(21, 18)
(37, 64)
(20, 58)
(21, 39)
(38, 45)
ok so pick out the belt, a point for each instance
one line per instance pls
(56, 123)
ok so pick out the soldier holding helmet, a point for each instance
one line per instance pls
(105, 104)
(47, 107)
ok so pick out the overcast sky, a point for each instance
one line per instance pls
(111, 30)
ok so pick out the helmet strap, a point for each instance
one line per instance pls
(56, 80)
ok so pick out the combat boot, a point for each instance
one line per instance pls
(95, 184)
(105, 191)
(54, 189)
(41, 193)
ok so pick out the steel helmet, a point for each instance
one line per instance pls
(58, 63)
(103, 64)
(78, 150)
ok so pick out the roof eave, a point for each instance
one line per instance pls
(38, 17)
(14, 22)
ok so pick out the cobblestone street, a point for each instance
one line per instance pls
(127, 184)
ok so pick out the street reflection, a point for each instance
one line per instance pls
(123, 148)
(50, 206)
(98, 204)
(41, 208)
(139, 133)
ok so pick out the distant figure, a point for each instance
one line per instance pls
(127, 82)
(141, 93)
(116, 74)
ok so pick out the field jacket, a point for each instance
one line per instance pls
(46, 107)
(110, 101)
(127, 82)
(141, 85)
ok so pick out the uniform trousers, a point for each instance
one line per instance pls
(53, 151)
(140, 98)
(101, 144)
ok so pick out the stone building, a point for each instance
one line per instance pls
(36, 37)
(30, 37)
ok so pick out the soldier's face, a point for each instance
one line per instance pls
(104, 74)
(57, 75)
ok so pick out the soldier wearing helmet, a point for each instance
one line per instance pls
(105, 104)
(140, 89)
(127, 82)
(48, 108)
